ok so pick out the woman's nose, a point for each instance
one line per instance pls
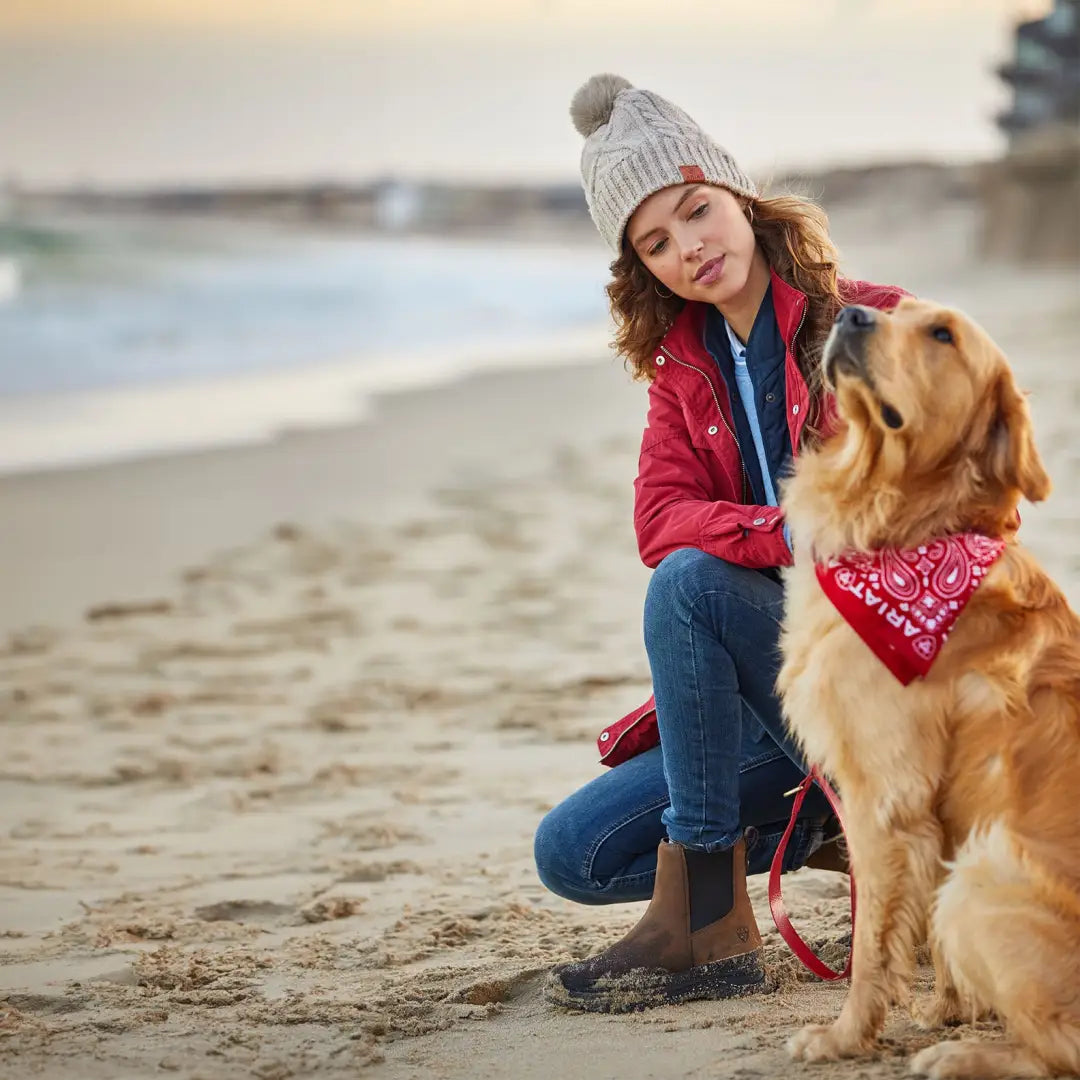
(691, 248)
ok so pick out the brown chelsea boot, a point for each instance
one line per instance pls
(697, 939)
(833, 852)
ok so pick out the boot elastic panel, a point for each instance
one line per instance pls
(710, 877)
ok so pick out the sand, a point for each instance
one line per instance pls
(279, 723)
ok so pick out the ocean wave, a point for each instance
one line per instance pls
(131, 303)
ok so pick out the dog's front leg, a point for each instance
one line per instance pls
(895, 865)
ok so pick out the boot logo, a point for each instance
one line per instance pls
(743, 934)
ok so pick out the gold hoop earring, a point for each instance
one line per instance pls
(750, 213)
(662, 295)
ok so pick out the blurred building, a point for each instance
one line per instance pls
(1031, 197)
(1044, 73)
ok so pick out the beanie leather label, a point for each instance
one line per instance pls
(692, 174)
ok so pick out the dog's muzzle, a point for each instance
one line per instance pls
(845, 349)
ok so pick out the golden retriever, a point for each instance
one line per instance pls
(960, 789)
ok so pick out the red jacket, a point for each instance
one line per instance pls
(691, 488)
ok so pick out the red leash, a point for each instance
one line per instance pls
(776, 900)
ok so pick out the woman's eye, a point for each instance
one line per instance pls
(700, 211)
(942, 334)
(657, 247)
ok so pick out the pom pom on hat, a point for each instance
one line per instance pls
(592, 104)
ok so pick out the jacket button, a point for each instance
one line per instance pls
(770, 396)
(713, 430)
(759, 521)
(659, 361)
(604, 736)
(794, 410)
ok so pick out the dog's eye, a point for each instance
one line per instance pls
(942, 334)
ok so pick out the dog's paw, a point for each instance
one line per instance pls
(936, 1012)
(946, 1061)
(821, 1042)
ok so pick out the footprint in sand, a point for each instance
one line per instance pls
(324, 909)
(47, 1004)
(244, 911)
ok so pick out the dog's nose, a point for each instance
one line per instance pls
(855, 318)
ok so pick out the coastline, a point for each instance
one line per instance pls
(122, 531)
(43, 432)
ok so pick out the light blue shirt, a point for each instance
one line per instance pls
(745, 385)
(746, 393)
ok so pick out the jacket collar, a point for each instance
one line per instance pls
(685, 339)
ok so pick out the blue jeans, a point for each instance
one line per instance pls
(725, 759)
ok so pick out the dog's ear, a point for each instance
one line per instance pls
(1011, 456)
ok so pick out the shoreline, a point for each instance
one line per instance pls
(120, 531)
(45, 432)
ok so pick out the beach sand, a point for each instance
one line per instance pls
(279, 723)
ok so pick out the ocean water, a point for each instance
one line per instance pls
(130, 336)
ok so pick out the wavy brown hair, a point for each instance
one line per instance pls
(793, 234)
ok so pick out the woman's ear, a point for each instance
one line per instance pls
(1012, 458)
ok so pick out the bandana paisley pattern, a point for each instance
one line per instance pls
(904, 604)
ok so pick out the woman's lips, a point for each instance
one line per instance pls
(709, 272)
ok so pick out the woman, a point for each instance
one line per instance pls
(722, 299)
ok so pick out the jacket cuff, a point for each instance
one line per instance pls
(756, 541)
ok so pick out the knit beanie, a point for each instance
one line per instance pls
(636, 142)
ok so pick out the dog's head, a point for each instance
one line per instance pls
(933, 415)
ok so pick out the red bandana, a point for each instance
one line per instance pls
(904, 604)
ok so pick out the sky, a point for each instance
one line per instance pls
(148, 92)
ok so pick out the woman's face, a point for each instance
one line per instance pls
(696, 240)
